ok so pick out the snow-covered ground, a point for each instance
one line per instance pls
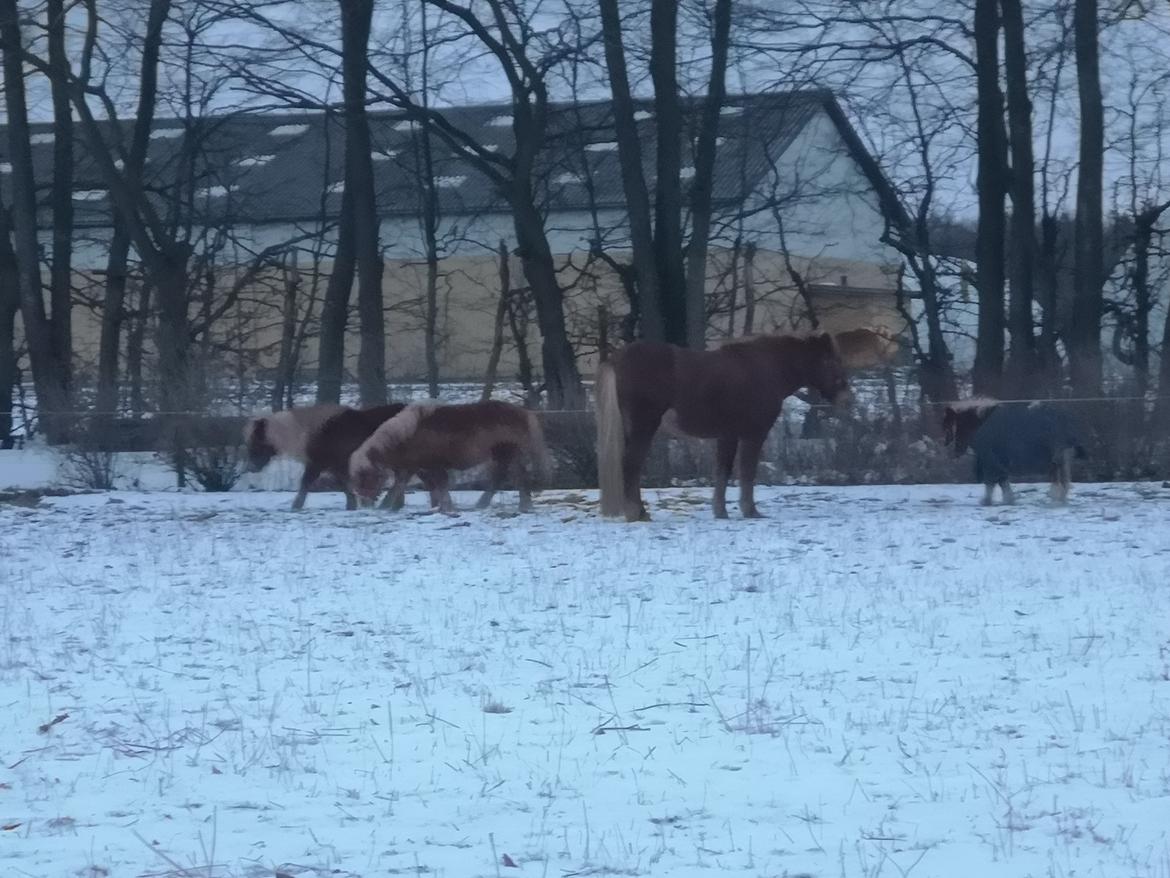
(874, 681)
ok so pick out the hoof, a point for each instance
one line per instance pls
(720, 513)
(753, 513)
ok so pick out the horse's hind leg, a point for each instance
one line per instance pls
(503, 457)
(436, 482)
(1064, 475)
(1009, 496)
(749, 462)
(725, 449)
(988, 492)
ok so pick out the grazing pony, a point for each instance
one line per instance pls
(334, 442)
(284, 434)
(1012, 440)
(733, 395)
(437, 438)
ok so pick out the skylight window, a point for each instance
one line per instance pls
(166, 133)
(288, 130)
(450, 182)
(254, 161)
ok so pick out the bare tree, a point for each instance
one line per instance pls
(992, 147)
(50, 375)
(1021, 367)
(9, 307)
(1089, 276)
(359, 174)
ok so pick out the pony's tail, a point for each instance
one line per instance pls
(540, 464)
(611, 442)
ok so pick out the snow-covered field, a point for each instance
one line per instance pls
(874, 681)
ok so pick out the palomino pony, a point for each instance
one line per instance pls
(437, 438)
(334, 442)
(733, 395)
(1013, 440)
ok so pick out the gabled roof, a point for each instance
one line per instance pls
(287, 167)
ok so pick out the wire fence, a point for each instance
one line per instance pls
(877, 441)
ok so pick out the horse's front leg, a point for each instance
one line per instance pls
(749, 461)
(637, 449)
(395, 498)
(436, 482)
(502, 458)
(310, 475)
(725, 449)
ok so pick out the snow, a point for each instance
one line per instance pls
(874, 681)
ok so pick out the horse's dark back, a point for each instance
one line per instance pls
(330, 447)
(1018, 440)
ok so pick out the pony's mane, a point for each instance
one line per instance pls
(757, 338)
(976, 404)
(402, 426)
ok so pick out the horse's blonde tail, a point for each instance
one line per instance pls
(540, 463)
(611, 442)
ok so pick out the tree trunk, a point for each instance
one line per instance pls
(61, 271)
(1048, 289)
(1021, 369)
(335, 307)
(48, 375)
(117, 264)
(562, 381)
(749, 288)
(992, 173)
(136, 349)
(288, 330)
(175, 393)
(637, 194)
(493, 364)
(1088, 245)
(359, 174)
(668, 242)
(701, 183)
(9, 305)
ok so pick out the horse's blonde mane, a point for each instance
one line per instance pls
(794, 335)
(393, 432)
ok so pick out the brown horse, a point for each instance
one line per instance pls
(331, 446)
(437, 438)
(284, 434)
(732, 395)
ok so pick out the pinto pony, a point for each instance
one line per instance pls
(334, 442)
(284, 434)
(438, 438)
(1013, 440)
(733, 395)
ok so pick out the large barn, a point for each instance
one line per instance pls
(801, 207)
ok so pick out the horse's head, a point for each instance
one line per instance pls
(365, 477)
(961, 420)
(827, 373)
(260, 447)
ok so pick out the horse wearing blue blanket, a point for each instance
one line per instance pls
(1012, 440)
